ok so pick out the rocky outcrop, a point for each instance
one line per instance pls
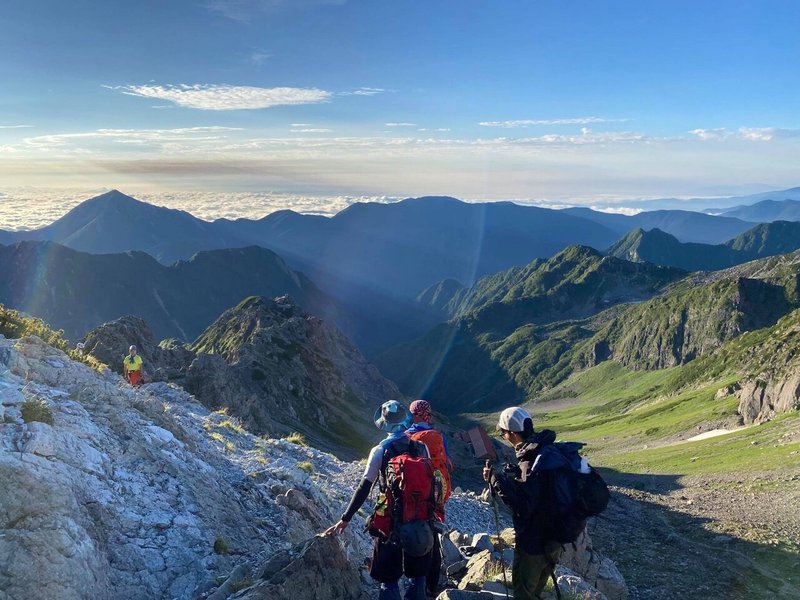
(319, 568)
(760, 401)
(143, 493)
(109, 344)
(484, 566)
(270, 364)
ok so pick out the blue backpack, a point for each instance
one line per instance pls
(570, 494)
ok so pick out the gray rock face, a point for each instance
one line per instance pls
(760, 401)
(142, 493)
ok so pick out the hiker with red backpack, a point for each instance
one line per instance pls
(551, 491)
(404, 518)
(423, 431)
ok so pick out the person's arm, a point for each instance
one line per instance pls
(507, 487)
(362, 492)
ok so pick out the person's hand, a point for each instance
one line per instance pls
(336, 529)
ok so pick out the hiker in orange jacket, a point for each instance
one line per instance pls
(422, 431)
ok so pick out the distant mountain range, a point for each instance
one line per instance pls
(685, 225)
(76, 291)
(763, 211)
(658, 247)
(393, 250)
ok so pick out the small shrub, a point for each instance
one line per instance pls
(221, 546)
(230, 447)
(217, 437)
(306, 466)
(297, 438)
(37, 410)
(233, 424)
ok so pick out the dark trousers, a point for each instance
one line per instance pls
(432, 578)
(389, 563)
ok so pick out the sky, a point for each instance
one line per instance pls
(576, 101)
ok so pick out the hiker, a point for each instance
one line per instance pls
(422, 431)
(132, 367)
(521, 487)
(402, 545)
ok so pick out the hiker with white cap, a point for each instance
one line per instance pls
(520, 487)
(403, 520)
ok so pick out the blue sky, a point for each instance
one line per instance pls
(508, 99)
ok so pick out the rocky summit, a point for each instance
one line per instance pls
(270, 364)
(114, 492)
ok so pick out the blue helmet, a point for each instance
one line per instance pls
(392, 416)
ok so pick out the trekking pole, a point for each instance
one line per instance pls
(497, 525)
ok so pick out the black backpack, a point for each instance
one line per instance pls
(569, 496)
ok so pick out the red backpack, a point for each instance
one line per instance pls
(409, 490)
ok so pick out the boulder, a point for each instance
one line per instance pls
(570, 583)
(457, 567)
(450, 553)
(298, 502)
(479, 568)
(319, 568)
(482, 541)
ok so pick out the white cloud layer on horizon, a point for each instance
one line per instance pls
(158, 137)
(529, 122)
(15, 126)
(400, 125)
(227, 97)
(585, 164)
(751, 134)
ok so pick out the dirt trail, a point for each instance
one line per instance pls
(706, 538)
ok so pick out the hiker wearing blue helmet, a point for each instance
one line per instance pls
(402, 546)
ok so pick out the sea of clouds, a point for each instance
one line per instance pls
(31, 208)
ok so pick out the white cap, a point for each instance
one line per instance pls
(513, 419)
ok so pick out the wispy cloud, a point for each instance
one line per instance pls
(750, 134)
(15, 126)
(400, 124)
(532, 122)
(434, 129)
(311, 130)
(717, 133)
(227, 97)
(258, 57)
(364, 91)
(766, 134)
(245, 10)
(130, 136)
